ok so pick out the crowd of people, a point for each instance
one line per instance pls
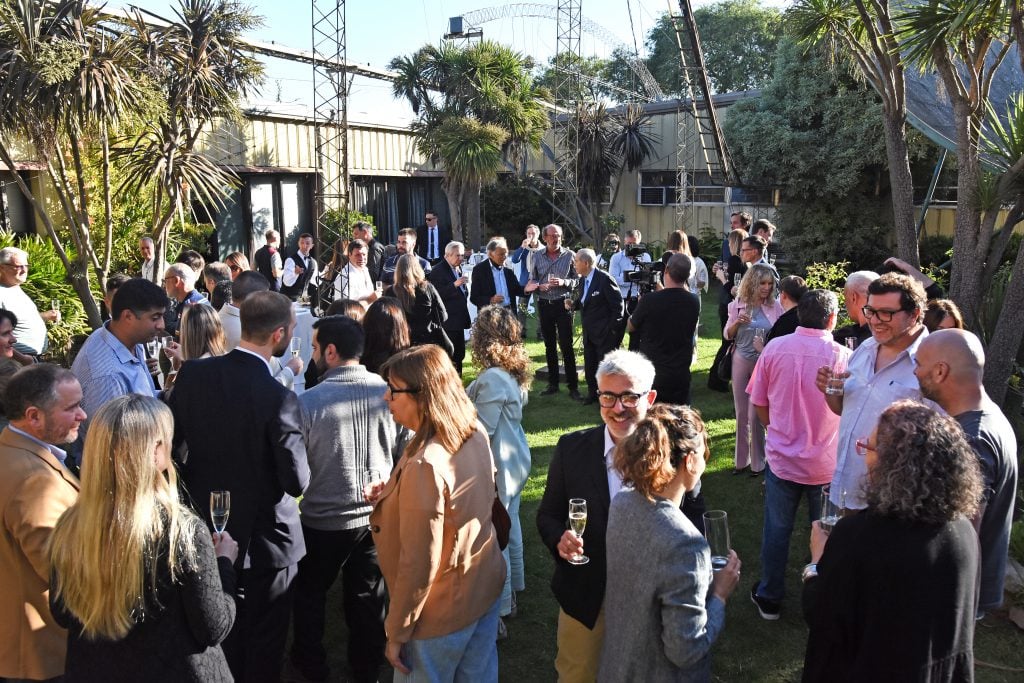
(376, 464)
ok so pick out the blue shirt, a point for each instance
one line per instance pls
(106, 369)
(500, 284)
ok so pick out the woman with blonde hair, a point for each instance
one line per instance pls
(499, 393)
(751, 316)
(237, 263)
(943, 314)
(431, 523)
(424, 311)
(136, 580)
(891, 592)
(664, 607)
(201, 336)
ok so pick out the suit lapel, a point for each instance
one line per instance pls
(13, 440)
(596, 467)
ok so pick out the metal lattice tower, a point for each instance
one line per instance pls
(330, 115)
(700, 143)
(566, 125)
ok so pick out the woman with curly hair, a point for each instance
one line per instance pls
(664, 607)
(891, 595)
(499, 394)
(755, 308)
(144, 592)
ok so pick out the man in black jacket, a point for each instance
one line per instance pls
(431, 239)
(236, 429)
(599, 299)
(493, 283)
(450, 283)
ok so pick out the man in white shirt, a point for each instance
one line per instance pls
(354, 281)
(432, 238)
(300, 271)
(31, 329)
(146, 249)
(245, 284)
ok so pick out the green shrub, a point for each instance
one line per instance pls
(831, 276)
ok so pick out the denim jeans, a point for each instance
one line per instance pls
(469, 655)
(515, 577)
(781, 500)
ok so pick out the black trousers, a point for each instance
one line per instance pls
(458, 337)
(556, 326)
(353, 553)
(593, 353)
(255, 647)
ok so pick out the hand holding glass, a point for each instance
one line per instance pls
(836, 383)
(830, 512)
(296, 346)
(716, 531)
(220, 509)
(577, 523)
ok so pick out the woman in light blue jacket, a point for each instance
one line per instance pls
(499, 394)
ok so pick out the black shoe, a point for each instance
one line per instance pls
(740, 470)
(769, 609)
(574, 394)
(552, 389)
(755, 473)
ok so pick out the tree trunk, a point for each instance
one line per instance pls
(902, 186)
(1008, 333)
(471, 202)
(453, 192)
(967, 269)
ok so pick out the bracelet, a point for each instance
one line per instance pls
(810, 572)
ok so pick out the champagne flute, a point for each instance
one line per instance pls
(578, 522)
(296, 346)
(737, 279)
(55, 305)
(220, 509)
(716, 531)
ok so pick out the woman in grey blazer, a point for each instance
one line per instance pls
(661, 617)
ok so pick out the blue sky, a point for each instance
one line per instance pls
(379, 30)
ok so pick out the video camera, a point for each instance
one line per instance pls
(645, 275)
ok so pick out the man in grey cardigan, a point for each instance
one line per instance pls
(351, 440)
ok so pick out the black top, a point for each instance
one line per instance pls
(177, 639)
(859, 333)
(427, 308)
(263, 262)
(734, 267)
(786, 324)
(454, 298)
(893, 601)
(482, 285)
(601, 311)
(665, 322)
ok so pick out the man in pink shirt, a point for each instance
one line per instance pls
(801, 438)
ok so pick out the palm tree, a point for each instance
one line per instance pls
(477, 109)
(198, 65)
(65, 79)
(863, 32)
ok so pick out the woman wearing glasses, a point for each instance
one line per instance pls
(755, 309)
(891, 594)
(499, 394)
(432, 526)
(664, 608)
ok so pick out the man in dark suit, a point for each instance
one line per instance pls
(599, 299)
(450, 283)
(431, 239)
(237, 429)
(493, 283)
(580, 468)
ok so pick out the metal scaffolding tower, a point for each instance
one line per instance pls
(700, 143)
(566, 125)
(330, 115)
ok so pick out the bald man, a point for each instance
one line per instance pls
(950, 366)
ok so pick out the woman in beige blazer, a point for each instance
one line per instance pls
(432, 525)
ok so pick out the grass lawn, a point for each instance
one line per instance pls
(749, 649)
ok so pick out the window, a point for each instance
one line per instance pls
(657, 188)
(702, 190)
(754, 196)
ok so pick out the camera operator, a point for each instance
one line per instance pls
(665, 322)
(611, 248)
(622, 263)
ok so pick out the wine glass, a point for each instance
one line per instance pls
(578, 522)
(296, 346)
(220, 508)
(737, 279)
(368, 478)
(716, 531)
(830, 512)
(835, 386)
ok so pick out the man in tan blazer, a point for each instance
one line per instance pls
(36, 487)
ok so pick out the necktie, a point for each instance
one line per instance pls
(586, 288)
(432, 246)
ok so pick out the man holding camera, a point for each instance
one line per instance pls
(665, 322)
(623, 262)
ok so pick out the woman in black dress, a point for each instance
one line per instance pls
(891, 595)
(424, 310)
(143, 591)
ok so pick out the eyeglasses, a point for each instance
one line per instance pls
(883, 315)
(863, 447)
(607, 399)
(395, 391)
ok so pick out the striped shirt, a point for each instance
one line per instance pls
(561, 267)
(106, 369)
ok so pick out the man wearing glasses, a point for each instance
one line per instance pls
(31, 329)
(581, 468)
(880, 371)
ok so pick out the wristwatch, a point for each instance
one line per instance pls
(810, 572)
